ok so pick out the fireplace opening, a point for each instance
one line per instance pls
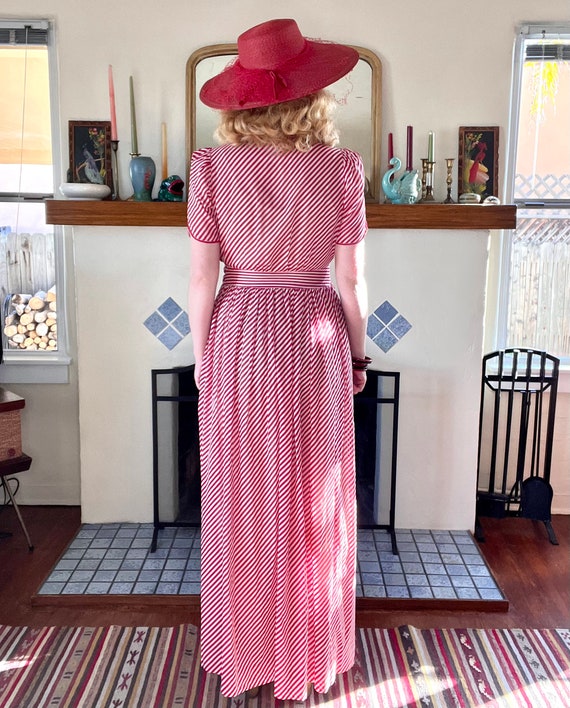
(176, 460)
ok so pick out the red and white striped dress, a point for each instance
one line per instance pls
(276, 420)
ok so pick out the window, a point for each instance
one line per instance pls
(31, 258)
(535, 311)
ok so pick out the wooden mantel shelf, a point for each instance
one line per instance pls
(380, 216)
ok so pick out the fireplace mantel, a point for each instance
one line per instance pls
(379, 216)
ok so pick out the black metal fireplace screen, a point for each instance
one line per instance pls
(176, 462)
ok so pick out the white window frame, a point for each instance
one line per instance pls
(37, 366)
(526, 31)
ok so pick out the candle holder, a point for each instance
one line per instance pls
(424, 176)
(142, 171)
(449, 180)
(115, 147)
(429, 181)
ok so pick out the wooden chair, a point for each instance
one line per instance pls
(12, 459)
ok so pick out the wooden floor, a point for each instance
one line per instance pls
(533, 574)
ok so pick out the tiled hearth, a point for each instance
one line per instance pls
(115, 559)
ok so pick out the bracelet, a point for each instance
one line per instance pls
(359, 364)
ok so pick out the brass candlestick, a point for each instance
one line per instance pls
(115, 147)
(429, 181)
(449, 180)
(424, 176)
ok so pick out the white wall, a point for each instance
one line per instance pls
(444, 65)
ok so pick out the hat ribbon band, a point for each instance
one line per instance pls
(278, 83)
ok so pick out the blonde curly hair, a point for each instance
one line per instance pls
(292, 125)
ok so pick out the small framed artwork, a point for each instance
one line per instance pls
(90, 152)
(478, 163)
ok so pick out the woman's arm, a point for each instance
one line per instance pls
(204, 272)
(349, 271)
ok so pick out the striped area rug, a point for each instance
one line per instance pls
(146, 667)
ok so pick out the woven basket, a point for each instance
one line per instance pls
(10, 435)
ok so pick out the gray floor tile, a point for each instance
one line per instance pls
(121, 588)
(168, 588)
(444, 593)
(126, 576)
(394, 579)
(490, 594)
(190, 588)
(467, 593)
(374, 591)
(418, 591)
(97, 588)
(441, 581)
(144, 588)
(369, 566)
(416, 580)
(74, 589)
(89, 564)
(371, 578)
(171, 576)
(49, 588)
(397, 591)
(79, 576)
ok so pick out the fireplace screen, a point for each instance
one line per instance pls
(176, 461)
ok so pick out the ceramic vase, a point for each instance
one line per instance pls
(143, 172)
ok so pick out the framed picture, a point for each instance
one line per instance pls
(478, 163)
(90, 152)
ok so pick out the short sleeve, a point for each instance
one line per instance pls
(201, 215)
(352, 226)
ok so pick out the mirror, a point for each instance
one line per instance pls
(358, 116)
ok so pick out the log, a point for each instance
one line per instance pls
(10, 330)
(37, 302)
(40, 316)
(42, 329)
(31, 327)
(22, 329)
(52, 306)
(28, 342)
(50, 295)
(50, 321)
(18, 338)
(26, 318)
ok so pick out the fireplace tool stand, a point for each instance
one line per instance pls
(516, 432)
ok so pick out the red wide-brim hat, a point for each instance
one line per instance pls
(276, 63)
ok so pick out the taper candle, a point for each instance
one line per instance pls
(390, 146)
(164, 152)
(134, 141)
(112, 105)
(431, 146)
(409, 148)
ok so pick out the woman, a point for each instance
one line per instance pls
(277, 203)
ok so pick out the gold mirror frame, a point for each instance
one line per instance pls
(372, 162)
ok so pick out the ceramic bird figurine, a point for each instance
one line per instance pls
(401, 190)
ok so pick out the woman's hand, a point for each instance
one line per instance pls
(197, 371)
(358, 380)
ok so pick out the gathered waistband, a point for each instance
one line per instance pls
(280, 279)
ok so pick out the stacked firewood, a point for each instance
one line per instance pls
(31, 321)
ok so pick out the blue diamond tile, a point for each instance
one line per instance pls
(386, 312)
(182, 324)
(170, 309)
(155, 323)
(170, 338)
(400, 326)
(385, 340)
(374, 326)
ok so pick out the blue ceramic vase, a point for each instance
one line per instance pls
(143, 172)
